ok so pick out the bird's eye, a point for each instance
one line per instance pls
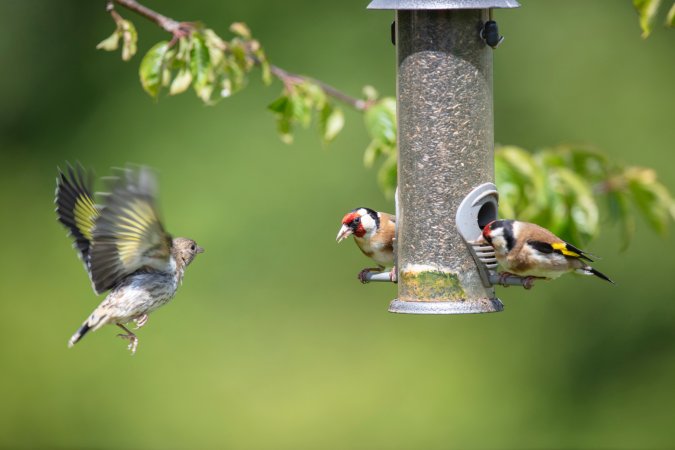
(357, 220)
(192, 247)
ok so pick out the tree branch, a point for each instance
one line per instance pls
(180, 29)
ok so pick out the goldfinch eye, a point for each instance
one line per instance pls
(357, 220)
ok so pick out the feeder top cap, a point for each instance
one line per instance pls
(442, 4)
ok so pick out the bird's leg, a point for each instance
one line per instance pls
(393, 275)
(362, 275)
(133, 339)
(502, 278)
(140, 321)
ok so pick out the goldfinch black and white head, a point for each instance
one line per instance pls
(528, 250)
(374, 234)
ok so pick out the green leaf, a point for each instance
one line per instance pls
(583, 209)
(110, 43)
(380, 121)
(240, 29)
(181, 82)
(619, 211)
(285, 128)
(200, 65)
(151, 68)
(653, 200)
(647, 10)
(129, 39)
(279, 105)
(387, 176)
(370, 93)
(670, 18)
(373, 150)
(331, 121)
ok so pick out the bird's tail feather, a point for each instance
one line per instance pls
(588, 270)
(79, 334)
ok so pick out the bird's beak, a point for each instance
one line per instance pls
(344, 233)
(199, 249)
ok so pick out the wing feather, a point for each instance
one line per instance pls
(128, 234)
(75, 207)
(560, 247)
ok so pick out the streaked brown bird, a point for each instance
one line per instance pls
(374, 233)
(528, 250)
(123, 245)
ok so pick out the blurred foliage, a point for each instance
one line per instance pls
(648, 10)
(559, 188)
(565, 188)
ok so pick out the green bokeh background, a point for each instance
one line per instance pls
(271, 342)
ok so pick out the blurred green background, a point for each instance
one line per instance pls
(271, 342)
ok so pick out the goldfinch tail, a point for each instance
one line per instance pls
(79, 334)
(588, 270)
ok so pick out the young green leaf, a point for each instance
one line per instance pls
(619, 211)
(129, 39)
(654, 201)
(380, 121)
(387, 176)
(152, 66)
(240, 29)
(279, 105)
(181, 82)
(200, 65)
(110, 43)
(331, 121)
(647, 10)
(670, 18)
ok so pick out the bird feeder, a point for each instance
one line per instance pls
(445, 152)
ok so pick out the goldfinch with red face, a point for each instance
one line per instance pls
(374, 233)
(533, 252)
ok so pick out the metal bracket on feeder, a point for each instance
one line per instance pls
(445, 144)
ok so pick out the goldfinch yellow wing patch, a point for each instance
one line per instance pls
(562, 247)
(128, 234)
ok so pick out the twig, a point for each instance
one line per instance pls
(180, 29)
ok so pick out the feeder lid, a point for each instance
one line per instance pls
(442, 4)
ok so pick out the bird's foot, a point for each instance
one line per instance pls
(502, 278)
(131, 337)
(528, 282)
(362, 276)
(393, 275)
(140, 321)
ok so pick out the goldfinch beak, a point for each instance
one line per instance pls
(199, 249)
(344, 233)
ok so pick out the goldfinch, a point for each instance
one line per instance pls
(533, 252)
(374, 233)
(123, 246)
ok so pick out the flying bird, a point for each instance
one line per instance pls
(530, 251)
(374, 233)
(123, 246)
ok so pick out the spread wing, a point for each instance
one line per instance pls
(128, 234)
(560, 247)
(75, 207)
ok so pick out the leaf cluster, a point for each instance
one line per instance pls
(300, 102)
(648, 10)
(567, 188)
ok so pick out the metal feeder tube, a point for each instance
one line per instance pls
(445, 150)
